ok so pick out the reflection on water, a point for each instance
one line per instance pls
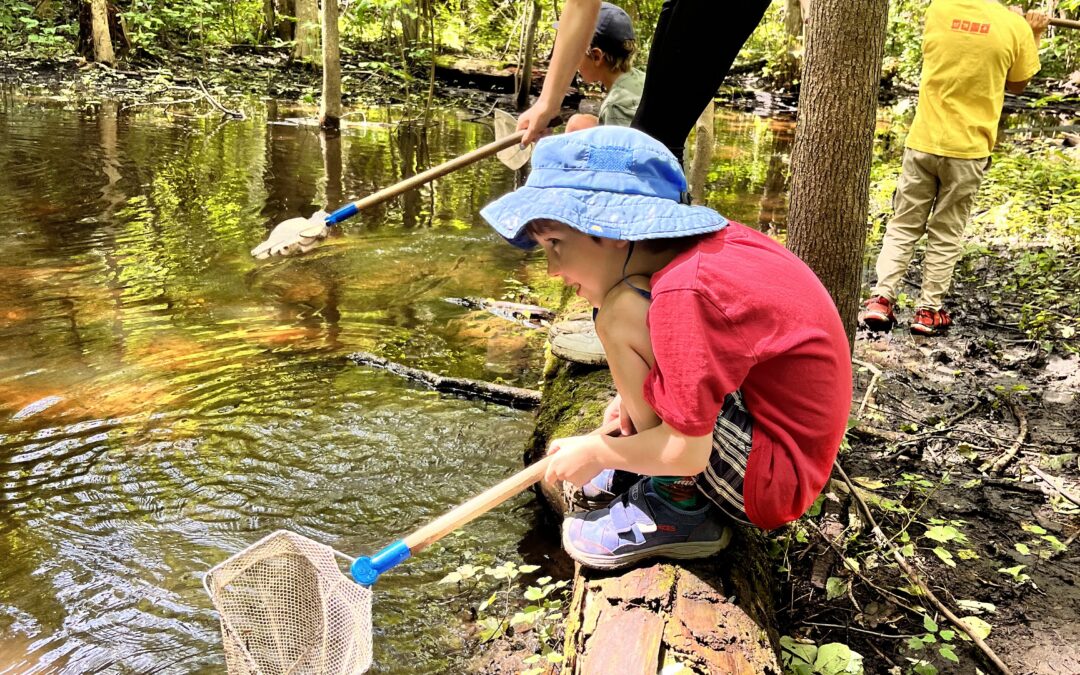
(165, 400)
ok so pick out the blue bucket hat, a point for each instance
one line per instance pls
(608, 181)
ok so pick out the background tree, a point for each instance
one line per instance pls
(99, 16)
(306, 46)
(524, 80)
(830, 184)
(330, 106)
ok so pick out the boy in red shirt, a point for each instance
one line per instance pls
(733, 399)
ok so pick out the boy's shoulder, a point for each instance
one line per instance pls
(732, 263)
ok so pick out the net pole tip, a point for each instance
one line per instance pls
(366, 569)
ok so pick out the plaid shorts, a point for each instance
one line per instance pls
(722, 479)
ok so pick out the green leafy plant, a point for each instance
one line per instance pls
(806, 658)
(508, 607)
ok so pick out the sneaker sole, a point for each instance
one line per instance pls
(927, 330)
(877, 322)
(685, 551)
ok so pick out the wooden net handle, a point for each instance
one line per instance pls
(485, 501)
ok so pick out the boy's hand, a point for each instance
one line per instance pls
(617, 411)
(574, 460)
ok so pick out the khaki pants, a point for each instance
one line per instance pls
(945, 186)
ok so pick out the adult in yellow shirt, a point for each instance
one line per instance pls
(973, 51)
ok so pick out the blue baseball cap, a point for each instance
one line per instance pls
(607, 181)
(613, 28)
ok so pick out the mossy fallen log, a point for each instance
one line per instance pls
(710, 616)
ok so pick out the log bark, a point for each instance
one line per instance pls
(710, 616)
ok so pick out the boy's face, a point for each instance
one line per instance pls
(592, 266)
(589, 66)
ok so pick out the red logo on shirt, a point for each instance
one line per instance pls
(970, 26)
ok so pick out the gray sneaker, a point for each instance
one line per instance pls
(639, 525)
(597, 493)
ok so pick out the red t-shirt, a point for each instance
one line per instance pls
(740, 311)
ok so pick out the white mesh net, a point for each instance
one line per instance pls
(287, 608)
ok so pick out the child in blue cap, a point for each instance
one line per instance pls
(731, 364)
(609, 61)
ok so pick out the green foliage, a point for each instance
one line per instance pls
(22, 28)
(160, 26)
(807, 658)
(508, 607)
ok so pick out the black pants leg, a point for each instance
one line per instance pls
(695, 43)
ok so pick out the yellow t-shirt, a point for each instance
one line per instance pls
(970, 49)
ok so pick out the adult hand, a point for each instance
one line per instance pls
(1038, 22)
(573, 460)
(535, 120)
(295, 235)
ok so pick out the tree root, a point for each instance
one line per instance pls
(996, 466)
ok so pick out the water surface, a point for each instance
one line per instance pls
(165, 400)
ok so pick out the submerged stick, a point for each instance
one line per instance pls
(515, 397)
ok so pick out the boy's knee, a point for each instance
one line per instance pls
(580, 121)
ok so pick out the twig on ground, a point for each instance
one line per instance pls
(871, 386)
(917, 580)
(1052, 482)
(859, 630)
(893, 597)
(1001, 462)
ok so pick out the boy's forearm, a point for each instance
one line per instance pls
(576, 26)
(659, 451)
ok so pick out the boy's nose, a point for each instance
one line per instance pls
(552, 268)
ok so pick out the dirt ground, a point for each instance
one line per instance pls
(944, 406)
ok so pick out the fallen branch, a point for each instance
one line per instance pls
(870, 387)
(1051, 481)
(515, 397)
(200, 94)
(1001, 462)
(917, 580)
(236, 114)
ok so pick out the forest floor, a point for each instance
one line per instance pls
(996, 545)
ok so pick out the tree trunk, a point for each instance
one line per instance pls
(524, 79)
(834, 143)
(793, 18)
(704, 137)
(286, 28)
(306, 46)
(103, 50)
(711, 616)
(330, 107)
(269, 20)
